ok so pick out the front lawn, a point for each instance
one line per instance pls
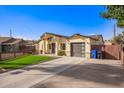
(23, 61)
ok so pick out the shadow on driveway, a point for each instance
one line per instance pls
(99, 73)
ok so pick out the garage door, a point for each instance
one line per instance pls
(78, 49)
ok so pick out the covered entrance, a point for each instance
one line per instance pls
(53, 45)
(78, 49)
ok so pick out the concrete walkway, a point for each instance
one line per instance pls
(34, 74)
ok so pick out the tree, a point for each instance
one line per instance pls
(115, 12)
(118, 39)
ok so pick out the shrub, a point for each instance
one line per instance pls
(61, 53)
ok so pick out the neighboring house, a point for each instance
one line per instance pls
(8, 44)
(3, 39)
(75, 45)
(99, 39)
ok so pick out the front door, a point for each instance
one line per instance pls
(53, 48)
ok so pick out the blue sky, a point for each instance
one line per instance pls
(30, 22)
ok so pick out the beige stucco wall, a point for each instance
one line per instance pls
(46, 46)
(41, 46)
(88, 47)
(68, 48)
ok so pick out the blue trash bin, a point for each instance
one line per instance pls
(94, 54)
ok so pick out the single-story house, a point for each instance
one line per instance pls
(9, 44)
(75, 45)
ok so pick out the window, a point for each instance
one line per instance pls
(62, 46)
(49, 46)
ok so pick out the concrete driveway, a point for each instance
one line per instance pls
(89, 74)
(34, 74)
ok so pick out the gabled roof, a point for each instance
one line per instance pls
(4, 39)
(12, 41)
(94, 37)
(9, 40)
(54, 35)
(83, 36)
(97, 37)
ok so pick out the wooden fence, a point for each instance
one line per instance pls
(8, 55)
(109, 51)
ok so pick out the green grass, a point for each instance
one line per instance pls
(23, 61)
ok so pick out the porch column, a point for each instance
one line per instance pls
(57, 48)
(44, 48)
